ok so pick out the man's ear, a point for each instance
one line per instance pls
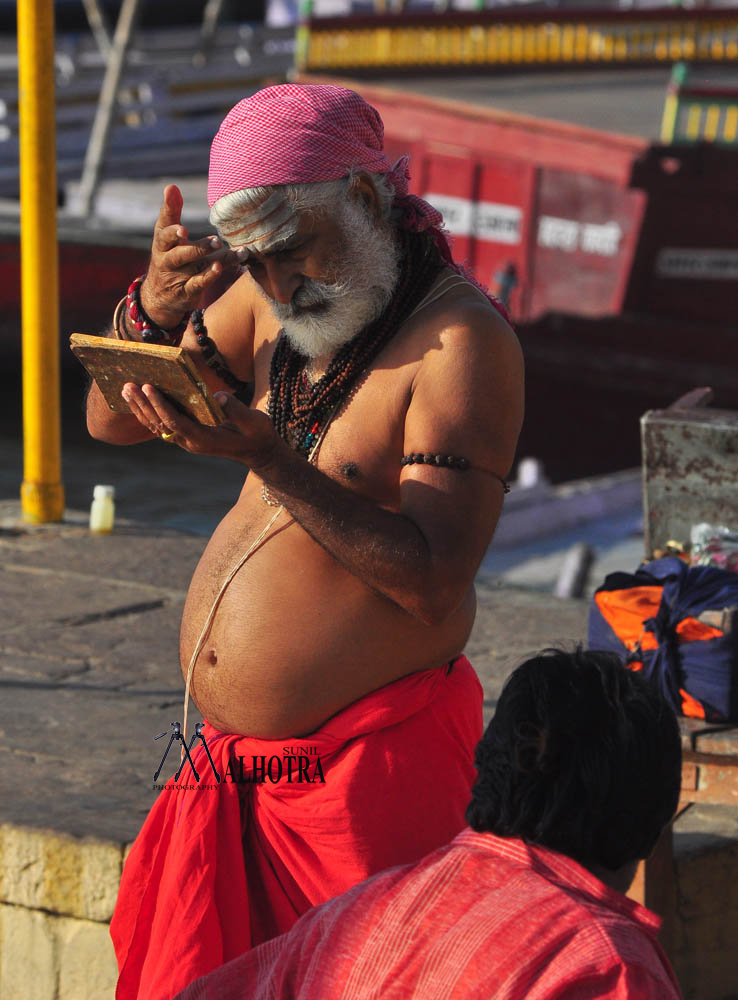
(362, 189)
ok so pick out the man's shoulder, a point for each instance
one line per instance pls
(571, 936)
(453, 295)
(608, 937)
(465, 348)
(460, 319)
(618, 952)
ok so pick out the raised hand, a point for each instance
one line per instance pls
(180, 270)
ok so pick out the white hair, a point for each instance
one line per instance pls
(317, 198)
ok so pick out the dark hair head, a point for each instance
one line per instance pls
(582, 756)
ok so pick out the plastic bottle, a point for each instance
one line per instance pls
(102, 510)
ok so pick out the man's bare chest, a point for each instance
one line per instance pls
(363, 444)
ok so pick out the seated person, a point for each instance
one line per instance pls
(578, 774)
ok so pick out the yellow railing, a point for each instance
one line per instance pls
(699, 114)
(552, 41)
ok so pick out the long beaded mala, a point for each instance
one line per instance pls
(243, 391)
(298, 409)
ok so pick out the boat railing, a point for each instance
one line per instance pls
(700, 112)
(510, 38)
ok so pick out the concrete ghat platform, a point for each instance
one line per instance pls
(89, 675)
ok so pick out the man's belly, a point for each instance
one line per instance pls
(296, 637)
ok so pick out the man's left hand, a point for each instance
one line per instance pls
(247, 437)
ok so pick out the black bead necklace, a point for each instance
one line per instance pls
(299, 409)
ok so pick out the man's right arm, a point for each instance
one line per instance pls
(230, 323)
(179, 278)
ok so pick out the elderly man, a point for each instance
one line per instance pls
(579, 773)
(328, 613)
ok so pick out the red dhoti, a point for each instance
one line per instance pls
(215, 871)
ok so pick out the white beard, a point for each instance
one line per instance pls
(367, 277)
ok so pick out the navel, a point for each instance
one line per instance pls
(350, 470)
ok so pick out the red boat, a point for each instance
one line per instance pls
(617, 257)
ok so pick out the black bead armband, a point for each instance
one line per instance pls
(442, 461)
(449, 462)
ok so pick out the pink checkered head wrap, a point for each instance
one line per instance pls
(306, 133)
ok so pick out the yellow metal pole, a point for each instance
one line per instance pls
(42, 493)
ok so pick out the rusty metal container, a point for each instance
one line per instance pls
(690, 469)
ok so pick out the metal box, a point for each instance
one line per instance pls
(690, 470)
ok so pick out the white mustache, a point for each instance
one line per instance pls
(311, 296)
(322, 317)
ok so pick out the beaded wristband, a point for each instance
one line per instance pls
(448, 462)
(215, 360)
(150, 332)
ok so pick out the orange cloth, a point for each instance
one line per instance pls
(207, 878)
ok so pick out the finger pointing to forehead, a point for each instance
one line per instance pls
(199, 257)
(187, 251)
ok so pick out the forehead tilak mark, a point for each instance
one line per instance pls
(259, 226)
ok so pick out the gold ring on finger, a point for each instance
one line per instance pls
(166, 436)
